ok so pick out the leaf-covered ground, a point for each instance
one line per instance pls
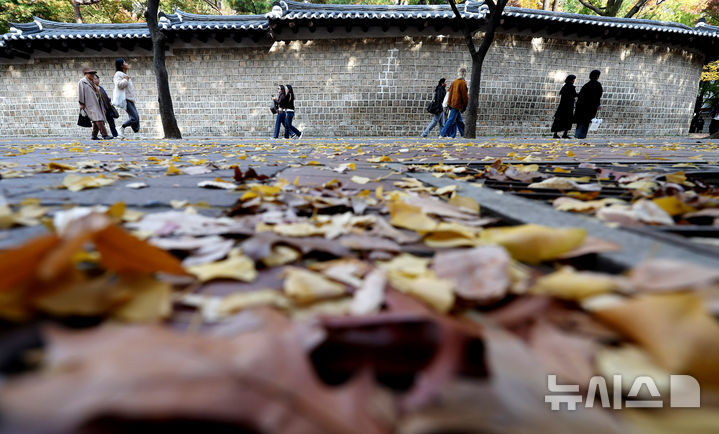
(316, 286)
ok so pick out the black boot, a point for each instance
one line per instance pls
(555, 136)
(565, 136)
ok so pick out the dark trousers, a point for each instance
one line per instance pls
(713, 126)
(134, 120)
(289, 129)
(111, 124)
(581, 131)
(280, 120)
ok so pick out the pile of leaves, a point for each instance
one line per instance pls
(613, 194)
(330, 308)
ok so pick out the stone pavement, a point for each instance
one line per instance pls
(26, 174)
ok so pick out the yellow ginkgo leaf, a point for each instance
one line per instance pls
(535, 243)
(306, 286)
(464, 202)
(172, 170)
(575, 285)
(75, 182)
(360, 180)
(151, 301)
(673, 206)
(237, 266)
(410, 217)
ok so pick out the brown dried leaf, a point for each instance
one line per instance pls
(675, 329)
(259, 381)
(656, 275)
(123, 252)
(480, 274)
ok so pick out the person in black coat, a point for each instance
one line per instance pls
(290, 114)
(565, 112)
(281, 103)
(588, 103)
(436, 108)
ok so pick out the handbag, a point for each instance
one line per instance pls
(84, 120)
(118, 98)
(273, 107)
(594, 125)
(114, 112)
(434, 107)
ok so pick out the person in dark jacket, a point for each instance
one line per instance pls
(281, 102)
(437, 109)
(106, 106)
(565, 111)
(290, 114)
(714, 114)
(588, 103)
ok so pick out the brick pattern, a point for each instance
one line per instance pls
(367, 87)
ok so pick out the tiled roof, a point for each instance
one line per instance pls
(294, 14)
(44, 29)
(291, 10)
(287, 10)
(185, 21)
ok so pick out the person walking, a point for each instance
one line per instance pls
(290, 114)
(107, 108)
(588, 103)
(123, 96)
(565, 111)
(457, 103)
(714, 114)
(280, 102)
(436, 107)
(89, 100)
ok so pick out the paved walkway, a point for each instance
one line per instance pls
(35, 168)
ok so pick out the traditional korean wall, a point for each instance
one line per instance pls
(370, 87)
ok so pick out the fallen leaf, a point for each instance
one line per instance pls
(660, 275)
(136, 185)
(675, 329)
(535, 243)
(410, 217)
(150, 301)
(76, 183)
(237, 266)
(370, 295)
(563, 183)
(360, 179)
(122, 252)
(570, 284)
(480, 274)
(305, 286)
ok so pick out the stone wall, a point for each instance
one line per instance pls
(366, 87)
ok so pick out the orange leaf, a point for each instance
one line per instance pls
(18, 265)
(120, 251)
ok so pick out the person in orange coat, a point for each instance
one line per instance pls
(457, 103)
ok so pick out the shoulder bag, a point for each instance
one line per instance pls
(83, 120)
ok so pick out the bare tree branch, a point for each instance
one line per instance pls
(596, 9)
(637, 7)
(467, 29)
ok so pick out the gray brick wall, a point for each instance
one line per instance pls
(366, 87)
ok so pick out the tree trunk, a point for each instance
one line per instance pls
(475, 79)
(76, 8)
(167, 112)
(496, 8)
(547, 5)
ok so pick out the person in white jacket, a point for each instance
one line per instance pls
(123, 96)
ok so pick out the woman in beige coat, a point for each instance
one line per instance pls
(90, 102)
